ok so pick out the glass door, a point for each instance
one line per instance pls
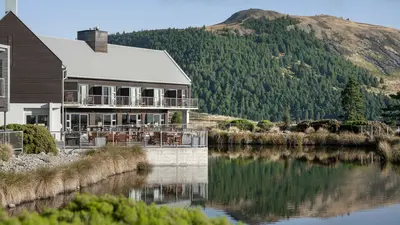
(106, 95)
(113, 96)
(83, 122)
(156, 97)
(83, 90)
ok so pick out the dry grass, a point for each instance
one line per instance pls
(310, 130)
(16, 188)
(6, 152)
(352, 139)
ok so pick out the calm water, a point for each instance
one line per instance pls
(264, 192)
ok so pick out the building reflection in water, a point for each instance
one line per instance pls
(175, 187)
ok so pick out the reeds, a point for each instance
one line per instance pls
(6, 152)
(16, 188)
(321, 137)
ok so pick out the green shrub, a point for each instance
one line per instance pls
(265, 125)
(176, 118)
(303, 125)
(330, 125)
(243, 124)
(37, 139)
(88, 209)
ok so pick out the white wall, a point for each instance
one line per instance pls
(177, 156)
(17, 114)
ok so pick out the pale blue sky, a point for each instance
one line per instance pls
(62, 18)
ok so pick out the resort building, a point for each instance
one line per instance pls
(87, 84)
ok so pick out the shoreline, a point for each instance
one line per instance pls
(293, 139)
(48, 182)
(318, 155)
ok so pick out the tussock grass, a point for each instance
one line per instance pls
(310, 130)
(352, 139)
(16, 188)
(6, 152)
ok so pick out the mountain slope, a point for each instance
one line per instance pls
(261, 72)
(375, 48)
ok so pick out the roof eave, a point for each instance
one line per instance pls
(179, 68)
(122, 80)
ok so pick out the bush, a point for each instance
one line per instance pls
(330, 125)
(176, 118)
(37, 139)
(243, 124)
(303, 125)
(89, 209)
(265, 125)
(6, 152)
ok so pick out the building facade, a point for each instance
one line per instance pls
(88, 84)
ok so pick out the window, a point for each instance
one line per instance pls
(37, 119)
(125, 119)
(1, 68)
(30, 119)
(98, 119)
(107, 120)
(42, 119)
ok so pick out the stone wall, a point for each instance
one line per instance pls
(177, 156)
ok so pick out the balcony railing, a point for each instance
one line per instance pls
(71, 97)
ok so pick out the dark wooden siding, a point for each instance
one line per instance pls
(36, 73)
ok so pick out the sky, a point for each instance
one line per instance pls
(63, 18)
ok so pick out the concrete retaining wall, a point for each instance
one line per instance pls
(178, 175)
(177, 156)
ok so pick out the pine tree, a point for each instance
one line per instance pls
(392, 112)
(353, 101)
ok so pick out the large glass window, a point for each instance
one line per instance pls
(30, 119)
(98, 120)
(107, 120)
(75, 122)
(125, 118)
(37, 119)
(154, 119)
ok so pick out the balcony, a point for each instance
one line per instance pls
(72, 99)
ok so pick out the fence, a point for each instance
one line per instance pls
(157, 137)
(13, 138)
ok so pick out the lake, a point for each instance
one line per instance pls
(283, 192)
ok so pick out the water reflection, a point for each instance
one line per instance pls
(263, 191)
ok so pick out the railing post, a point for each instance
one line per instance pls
(161, 140)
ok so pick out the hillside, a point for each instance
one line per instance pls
(372, 47)
(253, 67)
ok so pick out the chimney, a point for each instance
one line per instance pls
(95, 38)
(12, 5)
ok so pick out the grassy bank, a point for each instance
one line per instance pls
(118, 185)
(319, 138)
(16, 188)
(86, 209)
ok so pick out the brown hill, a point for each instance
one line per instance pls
(373, 47)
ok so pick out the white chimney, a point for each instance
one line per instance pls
(12, 5)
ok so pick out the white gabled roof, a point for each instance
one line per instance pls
(121, 63)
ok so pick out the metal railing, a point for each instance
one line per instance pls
(13, 138)
(71, 97)
(146, 137)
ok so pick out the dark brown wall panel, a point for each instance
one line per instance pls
(36, 73)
